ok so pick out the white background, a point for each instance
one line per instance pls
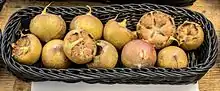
(61, 86)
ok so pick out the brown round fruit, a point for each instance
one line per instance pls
(172, 57)
(190, 35)
(138, 54)
(117, 33)
(48, 26)
(53, 55)
(157, 28)
(79, 46)
(27, 49)
(106, 57)
(89, 23)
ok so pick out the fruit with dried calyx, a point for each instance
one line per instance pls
(157, 28)
(117, 34)
(79, 46)
(138, 54)
(53, 55)
(172, 57)
(48, 26)
(89, 23)
(27, 49)
(190, 35)
(106, 56)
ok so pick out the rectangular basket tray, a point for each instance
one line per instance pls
(201, 60)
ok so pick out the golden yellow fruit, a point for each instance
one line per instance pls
(89, 23)
(48, 26)
(190, 35)
(106, 56)
(117, 33)
(172, 57)
(53, 55)
(27, 49)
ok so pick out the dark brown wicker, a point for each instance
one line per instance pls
(201, 60)
(2, 2)
(162, 2)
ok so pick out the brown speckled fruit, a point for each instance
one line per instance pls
(172, 57)
(138, 54)
(53, 55)
(79, 46)
(117, 33)
(157, 28)
(27, 49)
(89, 23)
(190, 35)
(106, 57)
(48, 26)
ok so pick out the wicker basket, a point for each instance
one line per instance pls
(162, 2)
(2, 2)
(201, 60)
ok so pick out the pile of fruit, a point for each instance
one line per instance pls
(96, 45)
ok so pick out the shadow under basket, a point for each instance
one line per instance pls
(201, 60)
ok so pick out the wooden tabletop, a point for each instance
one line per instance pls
(210, 8)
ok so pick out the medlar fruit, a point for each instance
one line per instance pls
(106, 57)
(48, 26)
(190, 35)
(79, 46)
(172, 57)
(27, 49)
(157, 28)
(138, 54)
(53, 55)
(89, 23)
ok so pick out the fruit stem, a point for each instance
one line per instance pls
(134, 35)
(45, 9)
(174, 39)
(123, 23)
(90, 10)
(22, 34)
(116, 16)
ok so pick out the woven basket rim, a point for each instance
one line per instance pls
(204, 68)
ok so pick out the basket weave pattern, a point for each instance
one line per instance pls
(201, 60)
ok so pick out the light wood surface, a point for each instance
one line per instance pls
(210, 8)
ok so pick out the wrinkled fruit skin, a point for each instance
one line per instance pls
(53, 55)
(107, 56)
(138, 54)
(79, 46)
(117, 35)
(48, 26)
(27, 49)
(190, 35)
(157, 28)
(172, 57)
(88, 23)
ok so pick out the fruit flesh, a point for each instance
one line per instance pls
(172, 57)
(157, 28)
(79, 46)
(138, 54)
(190, 35)
(53, 55)
(27, 49)
(106, 57)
